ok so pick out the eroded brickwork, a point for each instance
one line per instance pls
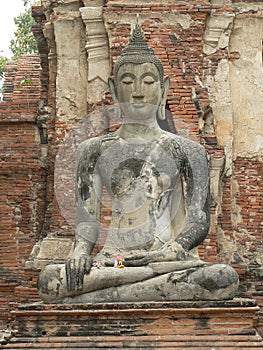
(22, 175)
(153, 325)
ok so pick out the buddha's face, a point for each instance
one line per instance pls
(138, 90)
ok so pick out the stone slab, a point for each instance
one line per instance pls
(152, 325)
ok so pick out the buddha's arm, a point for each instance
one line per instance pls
(196, 177)
(88, 191)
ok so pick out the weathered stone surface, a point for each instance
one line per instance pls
(97, 53)
(71, 79)
(217, 32)
(51, 249)
(246, 88)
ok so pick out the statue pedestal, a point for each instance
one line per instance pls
(153, 325)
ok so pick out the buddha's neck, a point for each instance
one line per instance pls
(139, 130)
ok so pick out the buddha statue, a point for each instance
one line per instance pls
(159, 187)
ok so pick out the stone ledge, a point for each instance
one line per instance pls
(236, 302)
(152, 325)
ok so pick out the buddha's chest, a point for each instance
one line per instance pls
(148, 167)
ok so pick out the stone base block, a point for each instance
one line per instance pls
(153, 325)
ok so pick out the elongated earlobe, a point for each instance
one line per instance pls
(161, 112)
(161, 109)
(112, 88)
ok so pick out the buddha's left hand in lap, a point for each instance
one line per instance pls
(170, 251)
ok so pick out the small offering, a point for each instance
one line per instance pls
(97, 264)
(118, 263)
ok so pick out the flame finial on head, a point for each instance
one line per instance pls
(137, 44)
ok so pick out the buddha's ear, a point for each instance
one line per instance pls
(165, 89)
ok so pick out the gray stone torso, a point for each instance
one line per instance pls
(140, 177)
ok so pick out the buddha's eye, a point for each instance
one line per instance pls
(127, 81)
(148, 80)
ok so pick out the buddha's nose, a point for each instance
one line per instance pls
(137, 92)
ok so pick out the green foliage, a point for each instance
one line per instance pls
(24, 82)
(3, 61)
(26, 2)
(24, 41)
(31, 2)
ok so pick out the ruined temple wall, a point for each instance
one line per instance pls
(236, 97)
(22, 175)
(234, 80)
(212, 50)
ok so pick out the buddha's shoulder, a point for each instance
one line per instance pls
(184, 144)
(94, 144)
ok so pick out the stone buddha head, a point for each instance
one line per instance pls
(138, 85)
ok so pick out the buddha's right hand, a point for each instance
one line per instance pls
(76, 267)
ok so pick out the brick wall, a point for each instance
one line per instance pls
(22, 175)
(241, 226)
